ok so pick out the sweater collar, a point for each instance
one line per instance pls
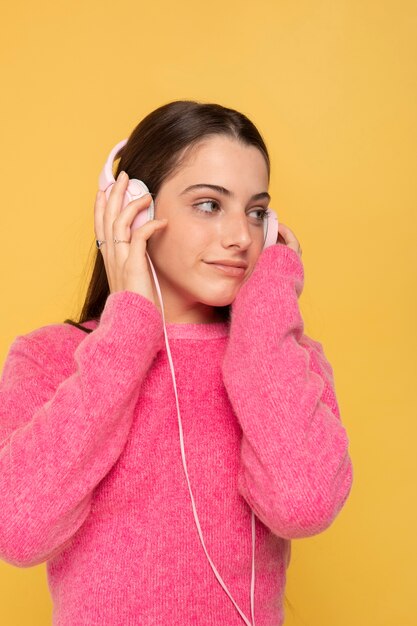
(186, 331)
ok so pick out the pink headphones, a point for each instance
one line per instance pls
(137, 188)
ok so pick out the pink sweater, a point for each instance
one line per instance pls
(91, 475)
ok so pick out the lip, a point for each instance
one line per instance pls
(230, 270)
(229, 263)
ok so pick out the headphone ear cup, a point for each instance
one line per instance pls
(270, 229)
(136, 189)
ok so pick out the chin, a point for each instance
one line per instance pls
(219, 303)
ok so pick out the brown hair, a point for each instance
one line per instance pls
(156, 148)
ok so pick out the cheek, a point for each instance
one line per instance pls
(182, 245)
(190, 243)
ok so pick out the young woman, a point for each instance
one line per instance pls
(93, 478)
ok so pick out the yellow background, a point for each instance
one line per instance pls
(331, 85)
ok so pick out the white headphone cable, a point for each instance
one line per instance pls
(252, 594)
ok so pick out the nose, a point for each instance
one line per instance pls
(235, 231)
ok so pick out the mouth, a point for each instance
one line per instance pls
(228, 270)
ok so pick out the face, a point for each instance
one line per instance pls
(206, 225)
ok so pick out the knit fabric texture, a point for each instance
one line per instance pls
(91, 476)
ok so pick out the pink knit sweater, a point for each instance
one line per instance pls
(91, 475)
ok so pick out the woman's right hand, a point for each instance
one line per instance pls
(126, 264)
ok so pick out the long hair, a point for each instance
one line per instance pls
(156, 148)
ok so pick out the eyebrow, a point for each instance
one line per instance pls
(225, 192)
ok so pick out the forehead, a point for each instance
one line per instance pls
(226, 160)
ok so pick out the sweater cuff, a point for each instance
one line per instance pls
(119, 301)
(284, 259)
(134, 316)
(274, 262)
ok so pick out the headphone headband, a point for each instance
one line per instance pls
(106, 177)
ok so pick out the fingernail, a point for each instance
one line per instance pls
(121, 176)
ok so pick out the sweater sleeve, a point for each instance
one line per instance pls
(65, 416)
(295, 471)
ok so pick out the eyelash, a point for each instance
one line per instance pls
(195, 206)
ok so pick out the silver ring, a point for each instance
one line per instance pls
(99, 243)
(120, 241)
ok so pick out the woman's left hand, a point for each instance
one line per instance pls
(287, 237)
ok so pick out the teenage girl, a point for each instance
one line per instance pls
(160, 452)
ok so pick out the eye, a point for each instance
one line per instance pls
(205, 202)
(263, 213)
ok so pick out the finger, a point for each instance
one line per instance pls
(114, 204)
(137, 239)
(118, 189)
(140, 238)
(127, 215)
(123, 222)
(285, 229)
(116, 196)
(290, 238)
(281, 231)
(281, 238)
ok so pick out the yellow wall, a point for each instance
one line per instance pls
(332, 87)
